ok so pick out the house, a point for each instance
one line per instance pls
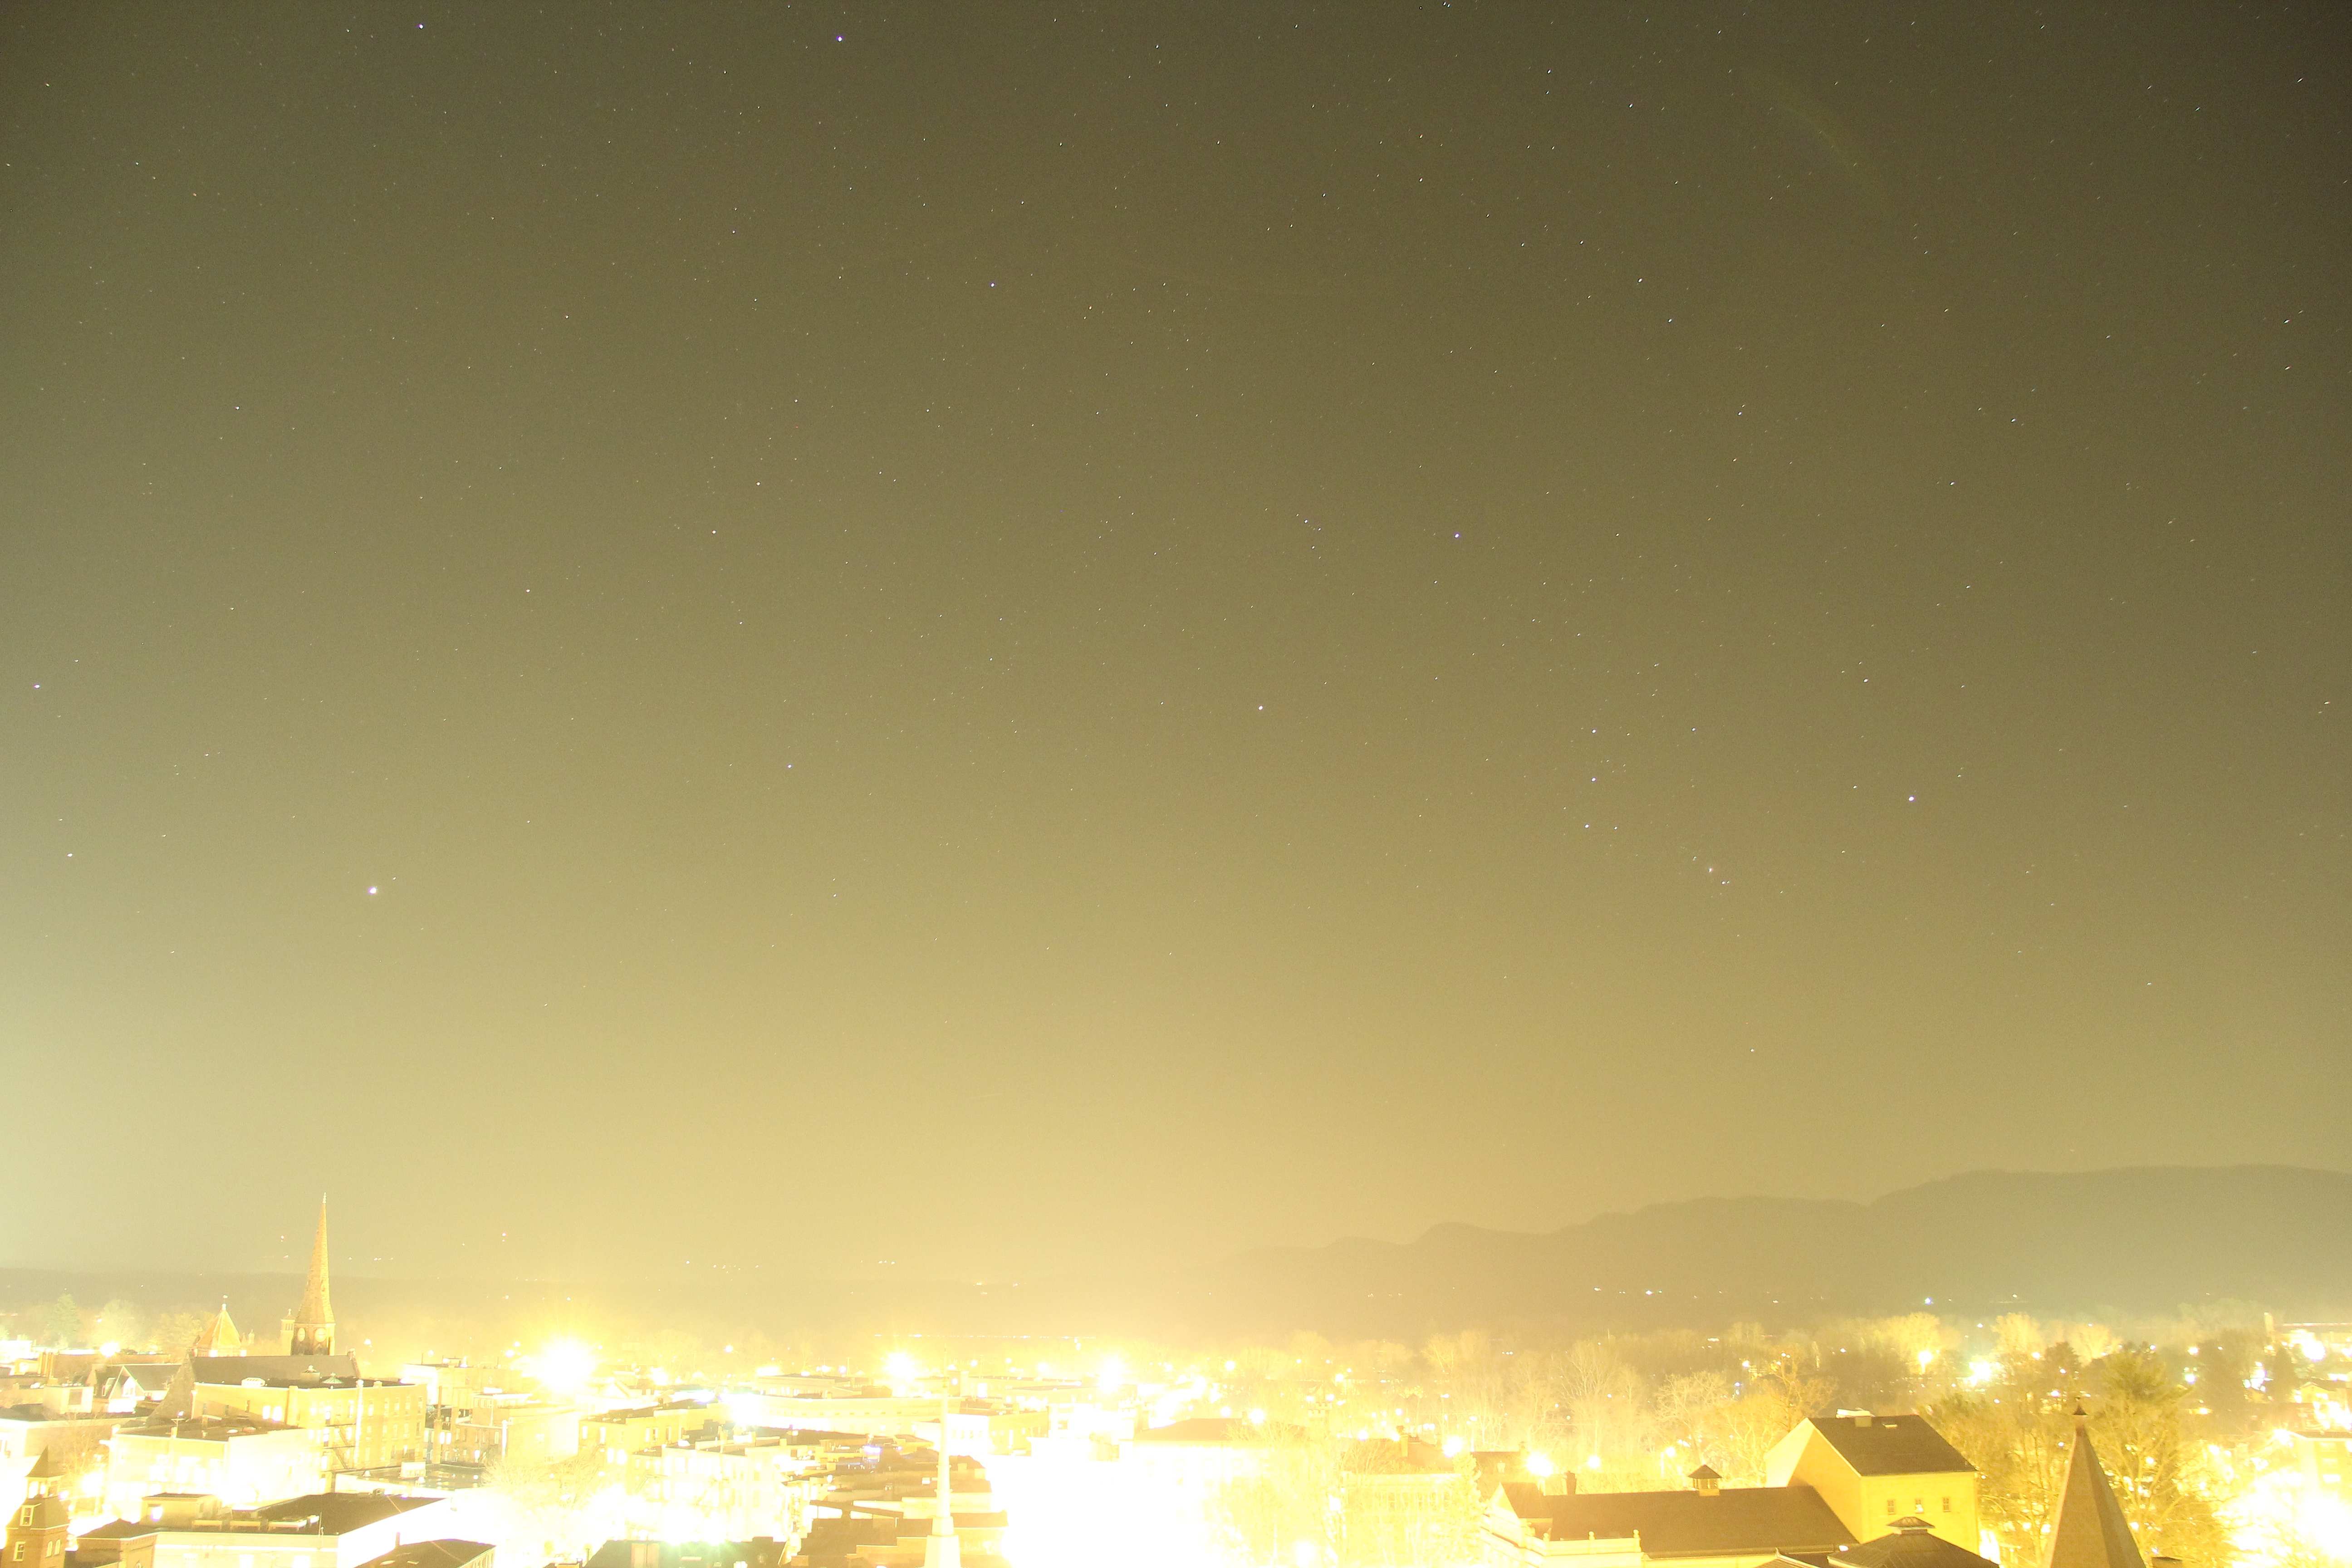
(495, 1431)
(617, 1434)
(361, 1423)
(75, 1443)
(244, 1460)
(122, 1390)
(727, 1489)
(323, 1530)
(1710, 1526)
(101, 1544)
(2325, 1458)
(1873, 1470)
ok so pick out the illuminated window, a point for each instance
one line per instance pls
(1890, 1508)
(1948, 1505)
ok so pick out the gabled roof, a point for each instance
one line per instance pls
(178, 1399)
(1735, 1520)
(433, 1554)
(1890, 1444)
(1913, 1544)
(151, 1377)
(2089, 1531)
(219, 1335)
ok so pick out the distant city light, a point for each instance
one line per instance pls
(564, 1366)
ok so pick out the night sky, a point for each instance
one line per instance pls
(973, 639)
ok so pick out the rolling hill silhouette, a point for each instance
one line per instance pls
(2140, 1240)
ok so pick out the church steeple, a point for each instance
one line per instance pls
(314, 1320)
(2089, 1531)
(941, 1547)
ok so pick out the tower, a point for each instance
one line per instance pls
(942, 1549)
(2089, 1531)
(219, 1336)
(36, 1530)
(314, 1320)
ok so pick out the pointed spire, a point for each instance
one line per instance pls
(943, 1549)
(219, 1336)
(2089, 1531)
(178, 1400)
(314, 1320)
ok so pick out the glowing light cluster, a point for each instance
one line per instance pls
(562, 1366)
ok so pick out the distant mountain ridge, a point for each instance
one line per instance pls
(2145, 1240)
(2131, 1242)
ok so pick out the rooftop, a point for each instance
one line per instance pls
(338, 1513)
(1913, 1544)
(199, 1429)
(278, 1371)
(1890, 1444)
(433, 1554)
(1737, 1519)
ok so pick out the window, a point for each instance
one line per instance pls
(1890, 1508)
(1948, 1505)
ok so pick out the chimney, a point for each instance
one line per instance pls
(1560, 1483)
